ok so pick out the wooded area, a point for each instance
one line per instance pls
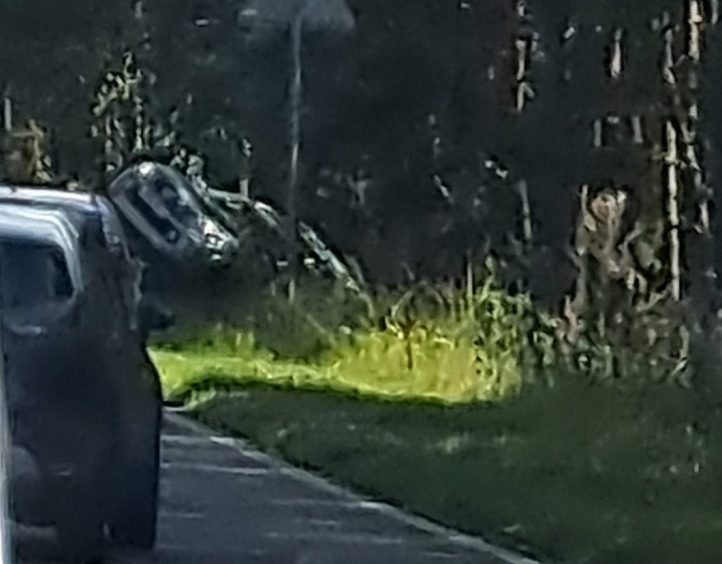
(424, 129)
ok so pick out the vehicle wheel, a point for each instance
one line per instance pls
(135, 523)
(80, 536)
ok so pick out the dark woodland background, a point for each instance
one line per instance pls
(402, 118)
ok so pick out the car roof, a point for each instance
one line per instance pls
(78, 207)
(84, 202)
(43, 226)
(36, 223)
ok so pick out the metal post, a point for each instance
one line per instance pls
(5, 548)
(8, 113)
(296, 95)
(5, 540)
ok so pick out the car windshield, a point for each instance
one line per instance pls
(32, 274)
(178, 202)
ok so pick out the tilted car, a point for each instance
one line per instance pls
(83, 396)
(166, 213)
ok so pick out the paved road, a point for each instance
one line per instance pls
(224, 502)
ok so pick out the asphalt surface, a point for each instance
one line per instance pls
(224, 502)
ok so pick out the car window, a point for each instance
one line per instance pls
(163, 225)
(175, 202)
(33, 274)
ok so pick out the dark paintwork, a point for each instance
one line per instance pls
(82, 391)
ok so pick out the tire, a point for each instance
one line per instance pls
(80, 531)
(81, 543)
(135, 522)
(83, 504)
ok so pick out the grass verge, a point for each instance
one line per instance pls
(606, 479)
(443, 412)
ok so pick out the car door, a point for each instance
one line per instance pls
(134, 379)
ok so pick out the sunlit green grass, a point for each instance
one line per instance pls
(420, 365)
(459, 407)
(575, 472)
(446, 344)
(377, 368)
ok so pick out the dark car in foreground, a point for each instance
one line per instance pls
(83, 396)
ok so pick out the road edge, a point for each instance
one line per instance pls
(177, 417)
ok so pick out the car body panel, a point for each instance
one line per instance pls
(80, 390)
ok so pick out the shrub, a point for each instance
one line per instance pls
(469, 341)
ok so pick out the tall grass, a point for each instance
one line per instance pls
(453, 342)
(457, 341)
(597, 460)
(473, 341)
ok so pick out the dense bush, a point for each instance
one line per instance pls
(456, 341)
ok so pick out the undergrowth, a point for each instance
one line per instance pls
(453, 341)
(465, 403)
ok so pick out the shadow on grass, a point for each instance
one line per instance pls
(578, 473)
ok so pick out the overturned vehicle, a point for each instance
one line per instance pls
(182, 222)
(170, 218)
(83, 396)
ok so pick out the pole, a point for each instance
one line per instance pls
(5, 540)
(8, 113)
(296, 95)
